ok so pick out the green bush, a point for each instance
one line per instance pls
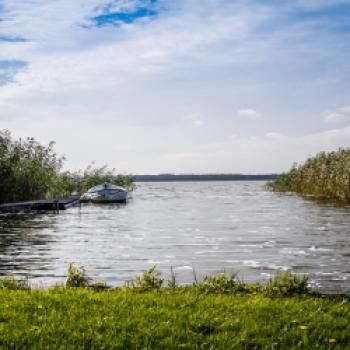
(220, 283)
(30, 171)
(77, 277)
(81, 181)
(11, 283)
(149, 280)
(325, 176)
(223, 283)
(172, 283)
(286, 284)
(99, 286)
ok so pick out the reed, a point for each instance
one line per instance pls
(30, 171)
(80, 181)
(324, 176)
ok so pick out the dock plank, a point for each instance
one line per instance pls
(43, 204)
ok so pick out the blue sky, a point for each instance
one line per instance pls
(129, 13)
(179, 86)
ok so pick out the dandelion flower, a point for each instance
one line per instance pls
(332, 340)
(303, 328)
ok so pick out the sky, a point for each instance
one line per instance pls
(178, 86)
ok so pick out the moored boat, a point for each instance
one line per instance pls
(105, 193)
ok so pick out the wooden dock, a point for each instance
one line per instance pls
(44, 204)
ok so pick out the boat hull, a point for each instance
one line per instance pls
(106, 196)
(106, 201)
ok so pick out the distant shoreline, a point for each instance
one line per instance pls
(205, 177)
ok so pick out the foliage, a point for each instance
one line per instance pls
(172, 283)
(77, 318)
(99, 286)
(286, 284)
(30, 171)
(325, 176)
(221, 283)
(81, 181)
(77, 277)
(9, 282)
(149, 280)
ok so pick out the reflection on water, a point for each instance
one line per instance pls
(208, 226)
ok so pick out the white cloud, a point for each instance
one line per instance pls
(248, 113)
(194, 119)
(341, 114)
(273, 152)
(345, 109)
(335, 118)
(198, 123)
(275, 135)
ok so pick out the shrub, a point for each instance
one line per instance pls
(77, 277)
(149, 280)
(30, 171)
(220, 283)
(172, 283)
(286, 284)
(10, 283)
(81, 181)
(325, 176)
(99, 286)
(224, 283)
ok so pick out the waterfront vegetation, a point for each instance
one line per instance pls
(324, 176)
(218, 312)
(29, 171)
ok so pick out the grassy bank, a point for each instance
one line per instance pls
(216, 313)
(184, 318)
(325, 176)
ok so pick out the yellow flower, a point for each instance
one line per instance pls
(332, 340)
(34, 328)
(303, 328)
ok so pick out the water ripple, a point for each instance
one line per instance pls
(205, 226)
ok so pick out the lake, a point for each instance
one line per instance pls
(206, 226)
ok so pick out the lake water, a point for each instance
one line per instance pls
(206, 226)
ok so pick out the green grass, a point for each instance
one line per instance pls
(218, 312)
(182, 318)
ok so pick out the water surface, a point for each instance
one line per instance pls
(206, 226)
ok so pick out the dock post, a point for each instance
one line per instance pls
(57, 206)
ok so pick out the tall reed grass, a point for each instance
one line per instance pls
(324, 176)
(30, 170)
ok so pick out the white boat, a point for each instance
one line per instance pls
(105, 193)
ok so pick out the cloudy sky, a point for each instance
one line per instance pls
(184, 86)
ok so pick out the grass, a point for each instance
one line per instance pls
(78, 318)
(216, 313)
(324, 176)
